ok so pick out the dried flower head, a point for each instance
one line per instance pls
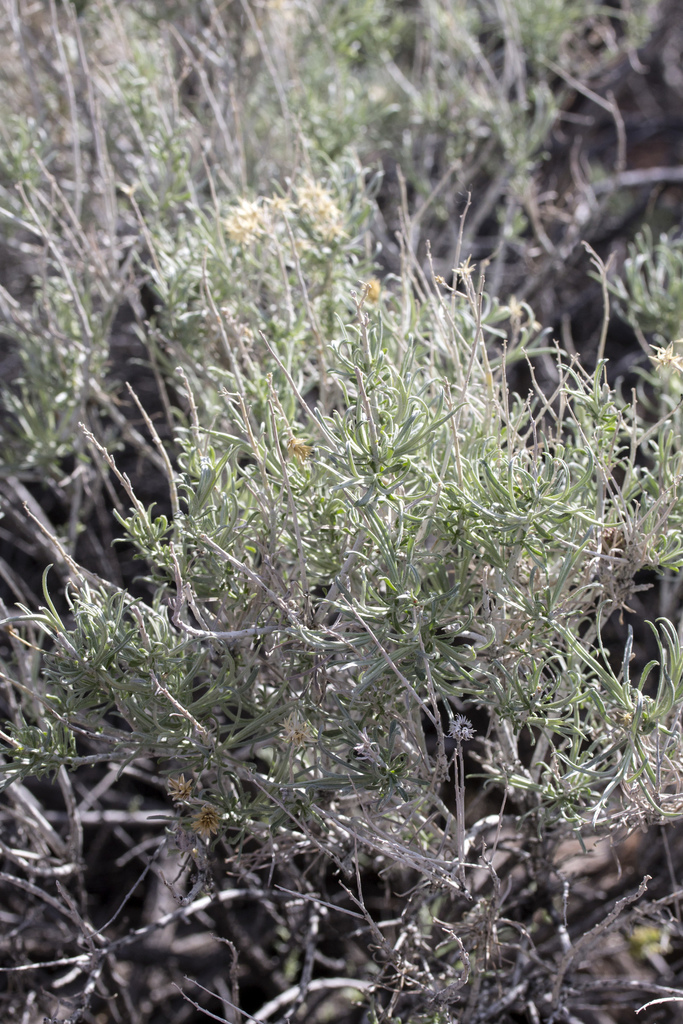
(280, 204)
(667, 358)
(465, 269)
(517, 310)
(180, 789)
(461, 729)
(299, 450)
(316, 203)
(295, 731)
(206, 821)
(244, 223)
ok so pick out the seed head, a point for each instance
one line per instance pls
(296, 732)
(461, 729)
(206, 821)
(180, 789)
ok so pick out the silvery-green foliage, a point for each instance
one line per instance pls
(415, 539)
(649, 292)
(360, 540)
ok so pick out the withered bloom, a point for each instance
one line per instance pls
(299, 450)
(205, 823)
(180, 789)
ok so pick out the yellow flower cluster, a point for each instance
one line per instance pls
(245, 222)
(373, 290)
(316, 203)
(249, 220)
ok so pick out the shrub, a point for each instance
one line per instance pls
(364, 653)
